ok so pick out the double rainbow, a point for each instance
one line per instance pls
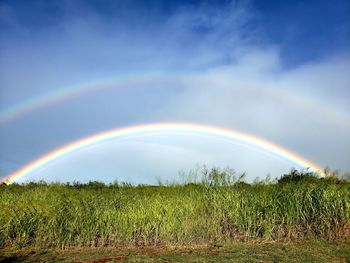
(159, 128)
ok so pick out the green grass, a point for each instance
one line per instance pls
(218, 211)
(306, 251)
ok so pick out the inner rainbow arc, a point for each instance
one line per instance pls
(164, 127)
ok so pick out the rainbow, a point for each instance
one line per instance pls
(159, 128)
(50, 98)
(59, 95)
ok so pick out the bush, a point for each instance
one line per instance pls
(295, 176)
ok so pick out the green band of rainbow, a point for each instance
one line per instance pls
(159, 128)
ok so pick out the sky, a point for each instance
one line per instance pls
(278, 70)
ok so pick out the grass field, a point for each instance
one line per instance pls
(300, 216)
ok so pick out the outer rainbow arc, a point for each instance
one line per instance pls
(163, 127)
(62, 94)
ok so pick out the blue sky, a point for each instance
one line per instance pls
(310, 30)
(275, 69)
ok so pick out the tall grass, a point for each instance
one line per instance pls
(216, 210)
